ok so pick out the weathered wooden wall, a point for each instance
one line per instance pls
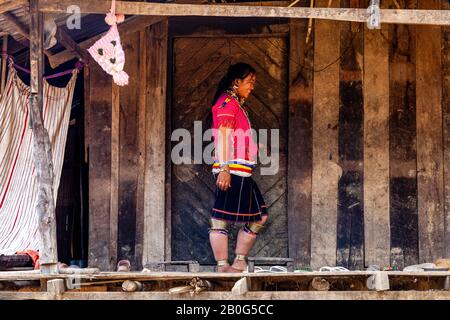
(368, 143)
(125, 138)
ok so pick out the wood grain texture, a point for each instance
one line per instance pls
(141, 139)
(154, 193)
(99, 104)
(376, 147)
(128, 114)
(115, 158)
(402, 144)
(429, 140)
(446, 125)
(325, 172)
(300, 142)
(159, 9)
(350, 216)
(42, 153)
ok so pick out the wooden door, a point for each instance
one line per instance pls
(198, 65)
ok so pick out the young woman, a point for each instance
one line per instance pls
(238, 198)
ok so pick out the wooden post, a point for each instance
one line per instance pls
(99, 106)
(300, 142)
(429, 140)
(402, 141)
(446, 125)
(350, 216)
(325, 170)
(42, 154)
(114, 196)
(376, 147)
(154, 194)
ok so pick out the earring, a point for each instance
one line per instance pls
(235, 86)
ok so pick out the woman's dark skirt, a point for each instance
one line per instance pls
(242, 202)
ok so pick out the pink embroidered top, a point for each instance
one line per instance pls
(241, 158)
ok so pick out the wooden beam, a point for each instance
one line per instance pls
(9, 5)
(429, 140)
(154, 192)
(42, 153)
(436, 17)
(18, 25)
(20, 28)
(325, 169)
(376, 147)
(64, 39)
(131, 25)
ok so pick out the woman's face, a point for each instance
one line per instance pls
(246, 85)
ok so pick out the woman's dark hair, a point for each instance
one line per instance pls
(239, 70)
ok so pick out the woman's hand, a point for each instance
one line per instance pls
(223, 180)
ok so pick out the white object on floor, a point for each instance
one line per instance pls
(333, 269)
(419, 267)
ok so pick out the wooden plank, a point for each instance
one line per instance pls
(128, 146)
(115, 154)
(3, 63)
(154, 194)
(429, 140)
(168, 164)
(170, 276)
(350, 215)
(402, 141)
(446, 125)
(9, 5)
(130, 26)
(42, 154)
(139, 237)
(223, 296)
(376, 147)
(100, 120)
(299, 170)
(325, 170)
(436, 17)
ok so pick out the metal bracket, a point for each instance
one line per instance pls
(373, 12)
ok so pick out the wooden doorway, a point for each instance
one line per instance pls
(198, 64)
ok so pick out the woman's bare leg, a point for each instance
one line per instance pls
(245, 242)
(219, 245)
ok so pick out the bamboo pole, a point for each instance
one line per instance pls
(45, 208)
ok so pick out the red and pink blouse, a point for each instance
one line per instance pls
(241, 158)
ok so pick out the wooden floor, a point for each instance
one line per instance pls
(266, 286)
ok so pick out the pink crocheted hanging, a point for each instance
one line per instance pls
(108, 51)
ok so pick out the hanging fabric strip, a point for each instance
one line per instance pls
(18, 185)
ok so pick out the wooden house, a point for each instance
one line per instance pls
(363, 118)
